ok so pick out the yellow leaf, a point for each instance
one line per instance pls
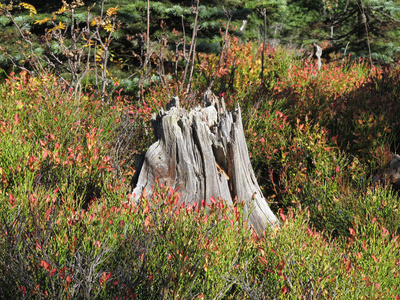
(108, 28)
(40, 22)
(30, 7)
(112, 11)
(61, 25)
(61, 10)
(89, 44)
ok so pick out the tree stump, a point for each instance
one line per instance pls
(204, 152)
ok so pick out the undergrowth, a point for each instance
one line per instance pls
(317, 139)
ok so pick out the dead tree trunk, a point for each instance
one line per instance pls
(204, 152)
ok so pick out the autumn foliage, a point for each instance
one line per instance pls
(68, 227)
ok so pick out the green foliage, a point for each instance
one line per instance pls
(317, 138)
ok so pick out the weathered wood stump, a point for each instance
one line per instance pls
(204, 152)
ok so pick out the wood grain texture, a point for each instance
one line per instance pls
(204, 152)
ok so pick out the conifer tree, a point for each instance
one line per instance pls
(370, 28)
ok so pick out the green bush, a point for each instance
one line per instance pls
(68, 227)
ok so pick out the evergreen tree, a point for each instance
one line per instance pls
(368, 27)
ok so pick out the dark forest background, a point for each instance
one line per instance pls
(362, 28)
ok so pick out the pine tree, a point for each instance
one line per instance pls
(370, 28)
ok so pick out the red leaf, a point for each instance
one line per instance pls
(213, 200)
(280, 265)
(282, 215)
(377, 285)
(17, 119)
(46, 216)
(263, 260)
(348, 266)
(104, 277)
(205, 219)
(363, 246)
(22, 289)
(171, 191)
(352, 231)
(147, 221)
(45, 265)
(374, 258)
(12, 200)
(284, 290)
(68, 279)
(52, 272)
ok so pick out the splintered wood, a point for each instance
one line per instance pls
(204, 152)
